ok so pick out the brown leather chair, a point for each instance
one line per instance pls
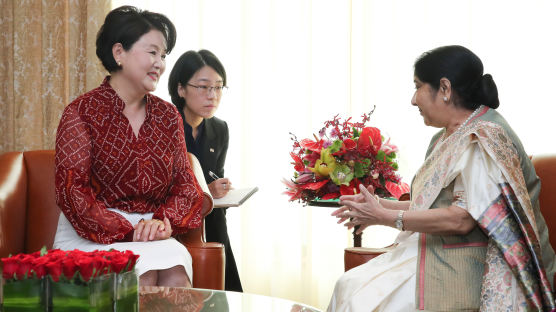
(545, 167)
(29, 215)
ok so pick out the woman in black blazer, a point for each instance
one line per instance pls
(196, 84)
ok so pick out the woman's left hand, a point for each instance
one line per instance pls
(362, 209)
(151, 230)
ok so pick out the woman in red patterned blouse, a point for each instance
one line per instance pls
(123, 179)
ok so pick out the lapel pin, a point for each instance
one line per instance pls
(211, 150)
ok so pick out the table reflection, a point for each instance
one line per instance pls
(154, 299)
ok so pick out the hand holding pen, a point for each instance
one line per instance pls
(220, 186)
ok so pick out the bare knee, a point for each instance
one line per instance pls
(149, 278)
(174, 277)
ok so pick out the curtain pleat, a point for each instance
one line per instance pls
(48, 58)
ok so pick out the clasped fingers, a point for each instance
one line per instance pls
(148, 230)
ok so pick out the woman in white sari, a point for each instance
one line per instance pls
(472, 235)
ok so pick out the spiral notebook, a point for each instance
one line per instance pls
(235, 197)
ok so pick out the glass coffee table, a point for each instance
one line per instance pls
(154, 299)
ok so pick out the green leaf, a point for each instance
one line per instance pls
(381, 156)
(359, 170)
(44, 251)
(395, 166)
(335, 146)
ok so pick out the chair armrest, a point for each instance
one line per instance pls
(208, 259)
(13, 203)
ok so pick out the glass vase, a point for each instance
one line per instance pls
(126, 296)
(24, 295)
(95, 295)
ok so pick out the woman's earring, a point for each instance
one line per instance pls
(445, 99)
(119, 64)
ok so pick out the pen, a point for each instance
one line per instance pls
(213, 175)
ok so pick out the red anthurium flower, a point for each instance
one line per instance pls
(351, 189)
(314, 185)
(331, 196)
(10, 267)
(54, 269)
(369, 141)
(396, 189)
(312, 145)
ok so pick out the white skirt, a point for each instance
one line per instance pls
(385, 283)
(153, 255)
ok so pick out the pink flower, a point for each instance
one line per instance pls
(388, 148)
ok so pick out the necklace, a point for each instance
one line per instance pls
(473, 114)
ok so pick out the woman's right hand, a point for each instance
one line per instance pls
(151, 230)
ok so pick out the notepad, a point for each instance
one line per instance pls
(235, 197)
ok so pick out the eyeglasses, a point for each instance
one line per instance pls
(205, 90)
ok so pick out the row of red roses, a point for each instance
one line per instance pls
(67, 265)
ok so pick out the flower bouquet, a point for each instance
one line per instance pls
(344, 155)
(70, 281)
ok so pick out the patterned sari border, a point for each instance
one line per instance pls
(506, 224)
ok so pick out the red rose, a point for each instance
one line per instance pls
(10, 267)
(69, 267)
(100, 264)
(86, 267)
(54, 269)
(349, 144)
(55, 254)
(39, 266)
(119, 262)
(25, 265)
(132, 259)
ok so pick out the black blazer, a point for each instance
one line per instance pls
(213, 147)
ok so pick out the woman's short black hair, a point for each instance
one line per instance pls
(464, 69)
(126, 25)
(186, 66)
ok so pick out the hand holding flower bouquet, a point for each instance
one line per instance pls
(343, 156)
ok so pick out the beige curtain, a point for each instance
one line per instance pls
(47, 53)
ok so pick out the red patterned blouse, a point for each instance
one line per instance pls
(101, 164)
